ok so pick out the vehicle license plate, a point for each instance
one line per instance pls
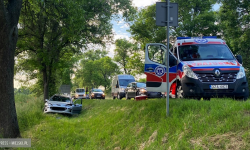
(218, 86)
(98, 96)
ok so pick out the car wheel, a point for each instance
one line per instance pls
(179, 92)
(240, 98)
(113, 97)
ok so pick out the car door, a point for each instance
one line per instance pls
(133, 89)
(127, 90)
(155, 67)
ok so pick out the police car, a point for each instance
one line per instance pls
(202, 67)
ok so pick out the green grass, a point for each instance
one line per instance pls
(122, 124)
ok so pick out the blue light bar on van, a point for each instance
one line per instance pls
(204, 37)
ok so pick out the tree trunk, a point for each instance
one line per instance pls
(9, 15)
(45, 84)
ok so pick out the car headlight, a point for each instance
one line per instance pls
(143, 90)
(189, 72)
(241, 73)
(92, 94)
(103, 94)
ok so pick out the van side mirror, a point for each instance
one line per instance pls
(46, 100)
(239, 58)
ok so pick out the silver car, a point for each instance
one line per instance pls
(62, 104)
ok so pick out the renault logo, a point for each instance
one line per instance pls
(217, 73)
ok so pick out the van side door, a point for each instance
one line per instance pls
(155, 67)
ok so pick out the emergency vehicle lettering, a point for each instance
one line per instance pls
(190, 43)
(193, 64)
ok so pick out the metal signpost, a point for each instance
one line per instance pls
(167, 14)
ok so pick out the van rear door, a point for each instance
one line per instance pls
(155, 67)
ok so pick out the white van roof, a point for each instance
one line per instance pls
(125, 76)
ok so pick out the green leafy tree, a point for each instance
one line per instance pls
(9, 16)
(234, 19)
(144, 30)
(106, 70)
(123, 50)
(50, 29)
(196, 18)
(95, 70)
(136, 63)
(142, 80)
(86, 72)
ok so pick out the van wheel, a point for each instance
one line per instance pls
(179, 92)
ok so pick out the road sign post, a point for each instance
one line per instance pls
(167, 15)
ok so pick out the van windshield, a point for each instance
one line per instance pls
(141, 85)
(125, 82)
(80, 90)
(205, 52)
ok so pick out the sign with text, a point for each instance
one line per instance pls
(19, 142)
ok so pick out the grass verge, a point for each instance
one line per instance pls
(122, 124)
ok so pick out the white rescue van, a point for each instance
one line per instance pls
(119, 83)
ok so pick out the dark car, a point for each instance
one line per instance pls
(97, 94)
(138, 88)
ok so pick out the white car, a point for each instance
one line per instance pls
(80, 94)
(62, 104)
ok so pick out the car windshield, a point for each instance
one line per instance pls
(97, 90)
(60, 99)
(125, 82)
(205, 52)
(80, 90)
(141, 85)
